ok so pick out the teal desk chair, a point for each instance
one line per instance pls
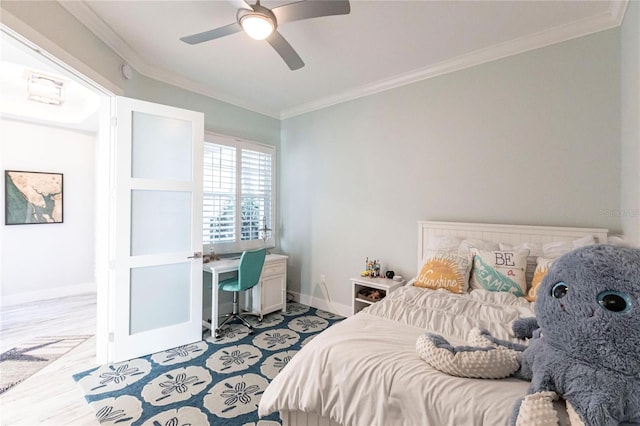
(249, 270)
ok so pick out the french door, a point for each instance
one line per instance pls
(155, 229)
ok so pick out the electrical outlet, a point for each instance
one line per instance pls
(322, 278)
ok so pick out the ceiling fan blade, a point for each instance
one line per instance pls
(212, 34)
(310, 9)
(240, 4)
(285, 50)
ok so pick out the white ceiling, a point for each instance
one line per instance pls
(79, 109)
(379, 45)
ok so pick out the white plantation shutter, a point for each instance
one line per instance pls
(255, 193)
(238, 194)
(219, 194)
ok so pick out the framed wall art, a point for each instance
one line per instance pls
(32, 197)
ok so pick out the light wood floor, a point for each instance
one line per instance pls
(51, 396)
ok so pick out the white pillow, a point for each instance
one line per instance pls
(467, 245)
(453, 245)
(558, 248)
(619, 240)
(535, 250)
(441, 244)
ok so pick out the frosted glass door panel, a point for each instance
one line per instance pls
(161, 147)
(160, 296)
(160, 222)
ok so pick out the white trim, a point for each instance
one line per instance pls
(240, 143)
(213, 137)
(611, 18)
(96, 25)
(48, 293)
(315, 302)
(212, 134)
(555, 35)
(17, 29)
(202, 89)
(617, 10)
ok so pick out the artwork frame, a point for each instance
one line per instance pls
(33, 197)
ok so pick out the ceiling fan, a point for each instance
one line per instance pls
(261, 23)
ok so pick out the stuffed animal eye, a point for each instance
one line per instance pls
(614, 301)
(559, 290)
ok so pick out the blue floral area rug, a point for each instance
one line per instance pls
(212, 382)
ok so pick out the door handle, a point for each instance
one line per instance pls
(196, 255)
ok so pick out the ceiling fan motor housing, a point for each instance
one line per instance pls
(259, 11)
(260, 23)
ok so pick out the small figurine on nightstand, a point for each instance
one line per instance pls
(372, 268)
(376, 269)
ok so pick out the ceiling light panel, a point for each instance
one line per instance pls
(45, 89)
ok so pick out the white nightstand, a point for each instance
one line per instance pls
(364, 283)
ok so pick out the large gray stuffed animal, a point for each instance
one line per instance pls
(588, 311)
(587, 347)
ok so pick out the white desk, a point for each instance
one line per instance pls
(266, 297)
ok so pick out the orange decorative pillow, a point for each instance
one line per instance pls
(447, 271)
(542, 268)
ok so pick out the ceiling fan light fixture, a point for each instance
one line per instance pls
(257, 26)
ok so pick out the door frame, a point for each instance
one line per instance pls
(104, 161)
(105, 172)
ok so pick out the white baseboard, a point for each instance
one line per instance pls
(49, 293)
(315, 302)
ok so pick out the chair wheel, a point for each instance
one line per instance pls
(250, 331)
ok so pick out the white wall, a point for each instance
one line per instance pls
(630, 206)
(530, 139)
(42, 261)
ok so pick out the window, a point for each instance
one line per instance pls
(238, 194)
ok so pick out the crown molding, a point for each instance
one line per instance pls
(617, 9)
(36, 41)
(611, 18)
(604, 21)
(83, 13)
(202, 89)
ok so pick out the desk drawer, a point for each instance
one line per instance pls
(271, 269)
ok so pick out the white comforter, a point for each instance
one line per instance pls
(365, 369)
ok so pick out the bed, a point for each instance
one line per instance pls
(365, 370)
